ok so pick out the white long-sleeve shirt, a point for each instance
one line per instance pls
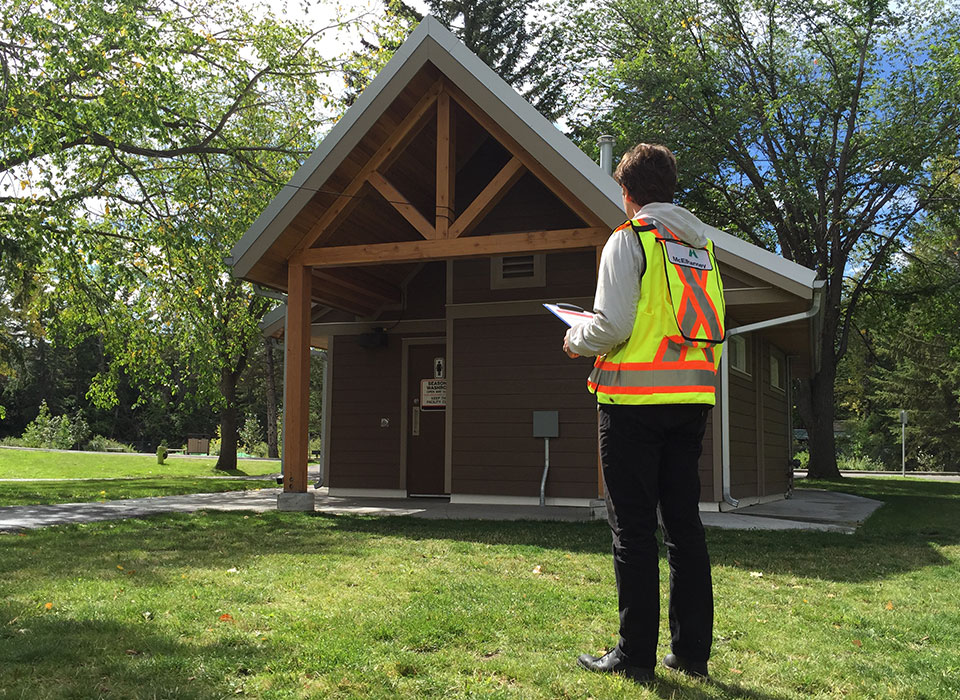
(618, 279)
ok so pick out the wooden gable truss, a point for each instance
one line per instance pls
(346, 259)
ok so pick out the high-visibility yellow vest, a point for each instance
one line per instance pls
(674, 348)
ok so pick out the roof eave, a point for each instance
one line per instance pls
(334, 147)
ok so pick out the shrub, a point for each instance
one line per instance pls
(39, 432)
(99, 443)
(55, 432)
(250, 434)
(860, 463)
(257, 450)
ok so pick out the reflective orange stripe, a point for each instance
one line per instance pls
(690, 297)
(642, 390)
(701, 277)
(647, 366)
(670, 356)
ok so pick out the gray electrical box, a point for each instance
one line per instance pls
(546, 424)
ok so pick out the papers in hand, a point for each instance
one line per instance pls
(569, 314)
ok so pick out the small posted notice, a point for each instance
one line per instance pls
(433, 394)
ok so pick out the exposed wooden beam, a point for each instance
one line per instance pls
(402, 205)
(384, 157)
(296, 408)
(488, 198)
(508, 142)
(446, 164)
(363, 283)
(332, 294)
(446, 249)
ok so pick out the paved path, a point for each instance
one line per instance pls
(808, 510)
(926, 476)
(258, 477)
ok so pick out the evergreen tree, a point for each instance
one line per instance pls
(513, 38)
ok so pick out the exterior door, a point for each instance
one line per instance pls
(426, 407)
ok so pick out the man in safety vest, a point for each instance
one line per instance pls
(656, 335)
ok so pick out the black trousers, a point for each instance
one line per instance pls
(649, 456)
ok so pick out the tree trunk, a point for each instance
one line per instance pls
(228, 420)
(271, 391)
(816, 405)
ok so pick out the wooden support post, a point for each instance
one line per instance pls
(296, 410)
(446, 164)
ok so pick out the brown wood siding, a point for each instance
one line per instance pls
(425, 295)
(366, 388)
(504, 369)
(706, 462)
(567, 275)
(775, 443)
(743, 428)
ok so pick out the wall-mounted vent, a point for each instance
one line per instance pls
(517, 267)
(512, 271)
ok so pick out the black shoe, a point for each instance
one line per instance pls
(614, 662)
(697, 669)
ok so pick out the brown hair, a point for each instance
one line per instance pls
(649, 172)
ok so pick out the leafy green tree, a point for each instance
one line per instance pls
(909, 356)
(804, 127)
(518, 39)
(138, 140)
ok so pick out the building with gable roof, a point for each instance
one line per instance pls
(418, 244)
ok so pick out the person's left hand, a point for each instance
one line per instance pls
(566, 349)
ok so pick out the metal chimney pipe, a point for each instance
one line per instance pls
(605, 143)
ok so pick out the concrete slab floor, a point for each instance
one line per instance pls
(807, 510)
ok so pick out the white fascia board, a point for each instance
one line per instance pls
(332, 151)
(759, 262)
(273, 320)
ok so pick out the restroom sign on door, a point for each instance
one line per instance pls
(433, 394)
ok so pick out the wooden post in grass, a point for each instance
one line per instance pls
(296, 407)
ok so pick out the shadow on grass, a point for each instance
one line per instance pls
(96, 658)
(228, 472)
(904, 535)
(668, 687)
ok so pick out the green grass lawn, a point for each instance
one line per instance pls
(27, 493)
(29, 464)
(286, 605)
(99, 477)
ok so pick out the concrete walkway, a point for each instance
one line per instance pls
(807, 510)
(926, 476)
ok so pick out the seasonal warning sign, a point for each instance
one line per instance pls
(433, 394)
